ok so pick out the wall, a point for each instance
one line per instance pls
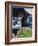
(2, 23)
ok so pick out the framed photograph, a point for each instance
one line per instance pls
(20, 22)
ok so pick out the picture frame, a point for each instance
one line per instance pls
(10, 13)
